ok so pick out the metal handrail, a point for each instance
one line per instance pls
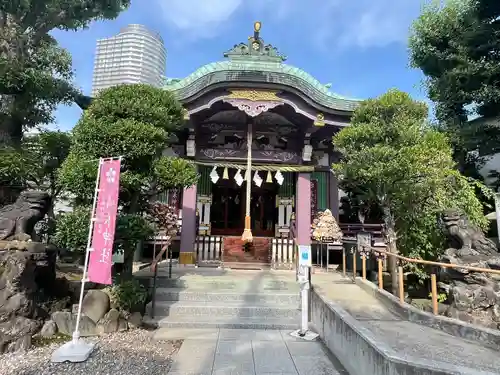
(381, 255)
(154, 268)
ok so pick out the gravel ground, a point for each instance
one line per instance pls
(132, 352)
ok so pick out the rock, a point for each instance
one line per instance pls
(49, 329)
(25, 279)
(66, 323)
(473, 296)
(109, 323)
(135, 320)
(21, 344)
(29, 246)
(13, 333)
(95, 304)
(122, 325)
(113, 314)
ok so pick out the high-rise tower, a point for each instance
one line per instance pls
(135, 55)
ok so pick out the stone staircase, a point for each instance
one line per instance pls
(235, 299)
(256, 255)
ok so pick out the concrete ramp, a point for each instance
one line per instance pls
(368, 338)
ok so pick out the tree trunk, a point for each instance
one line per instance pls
(390, 236)
(128, 263)
(11, 129)
(133, 207)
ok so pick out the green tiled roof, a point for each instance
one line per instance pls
(257, 71)
(257, 62)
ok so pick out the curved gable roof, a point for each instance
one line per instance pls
(256, 62)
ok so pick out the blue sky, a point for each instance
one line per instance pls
(359, 46)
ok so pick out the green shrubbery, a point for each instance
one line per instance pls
(128, 296)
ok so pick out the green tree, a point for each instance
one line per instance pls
(457, 47)
(72, 230)
(44, 154)
(35, 73)
(394, 161)
(132, 121)
(12, 174)
(35, 165)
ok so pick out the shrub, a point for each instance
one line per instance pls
(127, 296)
(72, 230)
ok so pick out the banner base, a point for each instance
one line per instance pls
(307, 335)
(73, 351)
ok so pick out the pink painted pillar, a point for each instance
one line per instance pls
(303, 210)
(188, 232)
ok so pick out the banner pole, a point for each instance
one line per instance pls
(77, 350)
(76, 333)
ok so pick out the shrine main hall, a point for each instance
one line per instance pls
(287, 117)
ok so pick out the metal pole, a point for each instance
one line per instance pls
(497, 212)
(153, 297)
(327, 257)
(169, 262)
(304, 291)
(76, 333)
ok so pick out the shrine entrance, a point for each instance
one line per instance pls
(227, 214)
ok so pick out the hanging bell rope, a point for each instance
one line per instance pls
(247, 236)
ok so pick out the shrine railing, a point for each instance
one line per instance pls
(209, 250)
(350, 230)
(282, 253)
(154, 267)
(382, 257)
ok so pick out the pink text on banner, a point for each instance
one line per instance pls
(103, 233)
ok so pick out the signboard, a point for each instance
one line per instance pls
(305, 255)
(363, 241)
(314, 199)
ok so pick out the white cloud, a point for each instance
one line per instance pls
(378, 23)
(356, 23)
(326, 23)
(198, 18)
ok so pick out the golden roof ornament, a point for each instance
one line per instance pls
(320, 120)
(255, 49)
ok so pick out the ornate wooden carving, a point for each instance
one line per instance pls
(254, 95)
(253, 102)
(288, 157)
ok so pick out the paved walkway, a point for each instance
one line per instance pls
(405, 338)
(247, 352)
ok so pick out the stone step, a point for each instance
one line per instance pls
(224, 322)
(191, 294)
(247, 265)
(223, 309)
(227, 284)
